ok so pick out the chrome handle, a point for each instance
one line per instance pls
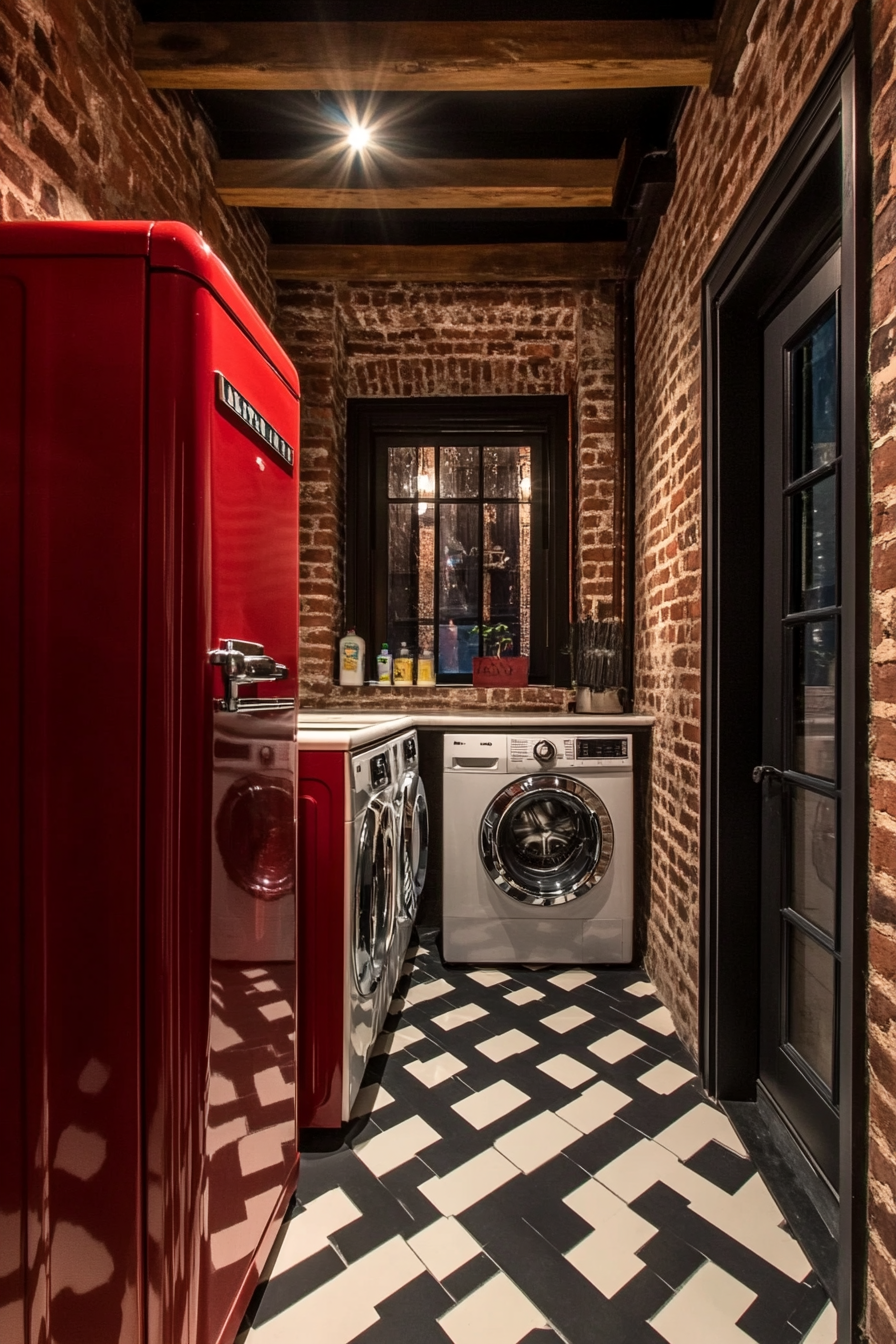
(762, 772)
(243, 663)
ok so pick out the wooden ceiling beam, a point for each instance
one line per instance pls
(439, 56)
(416, 184)
(476, 262)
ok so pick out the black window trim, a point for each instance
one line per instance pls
(368, 419)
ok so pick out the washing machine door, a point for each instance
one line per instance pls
(546, 839)
(413, 840)
(373, 896)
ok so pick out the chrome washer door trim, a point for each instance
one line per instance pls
(413, 842)
(565, 827)
(373, 903)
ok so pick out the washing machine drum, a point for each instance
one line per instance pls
(546, 839)
(373, 896)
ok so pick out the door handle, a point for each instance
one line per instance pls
(762, 772)
(243, 663)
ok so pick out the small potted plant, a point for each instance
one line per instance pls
(496, 668)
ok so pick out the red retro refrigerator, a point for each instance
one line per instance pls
(148, 566)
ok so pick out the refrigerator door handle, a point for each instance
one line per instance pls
(244, 663)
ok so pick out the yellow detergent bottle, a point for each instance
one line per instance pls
(403, 669)
(426, 672)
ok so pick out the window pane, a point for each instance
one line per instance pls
(459, 562)
(403, 576)
(814, 698)
(426, 552)
(507, 473)
(402, 473)
(426, 473)
(813, 884)
(814, 380)
(506, 578)
(810, 1001)
(412, 473)
(458, 473)
(815, 545)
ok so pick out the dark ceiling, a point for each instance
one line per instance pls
(578, 124)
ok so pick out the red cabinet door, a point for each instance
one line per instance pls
(221, 893)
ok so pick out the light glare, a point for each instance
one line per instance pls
(358, 138)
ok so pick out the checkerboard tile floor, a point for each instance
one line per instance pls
(532, 1160)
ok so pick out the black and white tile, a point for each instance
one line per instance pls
(531, 1160)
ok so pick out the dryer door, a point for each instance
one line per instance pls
(546, 839)
(413, 839)
(373, 895)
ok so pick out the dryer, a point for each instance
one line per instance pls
(538, 847)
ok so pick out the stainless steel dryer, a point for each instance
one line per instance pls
(538, 840)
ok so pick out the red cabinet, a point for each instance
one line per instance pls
(148, 515)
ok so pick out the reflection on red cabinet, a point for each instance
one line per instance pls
(148, 515)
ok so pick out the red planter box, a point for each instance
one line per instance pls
(501, 671)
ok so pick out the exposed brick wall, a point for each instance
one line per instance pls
(597, 483)
(81, 137)
(723, 145)
(881, 1306)
(434, 340)
(309, 325)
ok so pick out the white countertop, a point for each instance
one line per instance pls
(318, 731)
(347, 732)
(527, 718)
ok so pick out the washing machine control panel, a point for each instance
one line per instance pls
(601, 748)
(588, 753)
(559, 751)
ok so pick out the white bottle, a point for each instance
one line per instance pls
(351, 659)
(384, 666)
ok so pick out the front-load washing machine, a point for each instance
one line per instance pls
(253, 851)
(412, 852)
(348, 865)
(538, 847)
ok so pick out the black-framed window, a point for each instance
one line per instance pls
(458, 530)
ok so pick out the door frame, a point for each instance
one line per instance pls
(808, 198)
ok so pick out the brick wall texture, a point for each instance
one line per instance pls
(439, 340)
(881, 1304)
(81, 137)
(723, 146)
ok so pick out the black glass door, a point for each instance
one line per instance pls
(800, 771)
